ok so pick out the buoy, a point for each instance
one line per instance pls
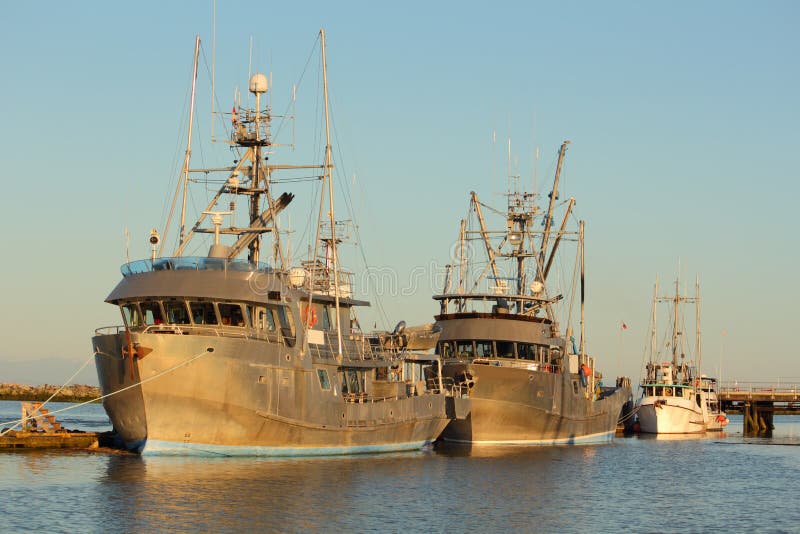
(584, 373)
(309, 316)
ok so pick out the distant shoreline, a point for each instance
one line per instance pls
(21, 392)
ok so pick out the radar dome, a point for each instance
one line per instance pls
(258, 83)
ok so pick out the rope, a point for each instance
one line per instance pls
(146, 380)
(70, 379)
(631, 414)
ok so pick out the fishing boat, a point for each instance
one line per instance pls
(500, 338)
(673, 400)
(224, 354)
(716, 418)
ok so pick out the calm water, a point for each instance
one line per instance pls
(718, 483)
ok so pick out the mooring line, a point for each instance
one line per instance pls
(139, 383)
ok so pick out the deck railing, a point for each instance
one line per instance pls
(191, 263)
(791, 385)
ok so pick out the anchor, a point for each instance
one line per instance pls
(133, 350)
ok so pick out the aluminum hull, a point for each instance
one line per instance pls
(248, 398)
(515, 406)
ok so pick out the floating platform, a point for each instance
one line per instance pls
(40, 430)
(55, 440)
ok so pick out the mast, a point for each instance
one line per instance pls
(653, 331)
(329, 177)
(189, 144)
(675, 323)
(485, 234)
(581, 242)
(462, 266)
(553, 195)
(558, 239)
(698, 339)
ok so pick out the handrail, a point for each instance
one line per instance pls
(760, 387)
(191, 263)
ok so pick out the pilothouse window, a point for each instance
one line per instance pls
(203, 313)
(464, 349)
(231, 314)
(131, 314)
(151, 311)
(176, 312)
(484, 349)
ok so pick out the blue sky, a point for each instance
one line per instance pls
(683, 120)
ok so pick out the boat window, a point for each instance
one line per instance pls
(151, 312)
(265, 320)
(130, 313)
(231, 314)
(445, 348)
(505, 349)
(526, 351)
(176, 312)
(343, 382)
(203, 313)
(354, 381)
(322, 374)
(484, 349)
(326, 318)
(287, 324)
(464, 348)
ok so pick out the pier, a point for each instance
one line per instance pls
(40, 430)
(758, 402)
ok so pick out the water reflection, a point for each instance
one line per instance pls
(682, 437)
(703, 484)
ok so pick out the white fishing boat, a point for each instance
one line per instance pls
(673, 401)
(716, 418)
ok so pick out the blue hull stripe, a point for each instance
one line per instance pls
(171, 448)
(603, 437)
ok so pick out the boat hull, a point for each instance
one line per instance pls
(670, 415)
(517, 406)
(226, 396)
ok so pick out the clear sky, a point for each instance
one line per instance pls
(683, 118)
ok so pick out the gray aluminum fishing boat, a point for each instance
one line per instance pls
(500, 339)
(223, 354)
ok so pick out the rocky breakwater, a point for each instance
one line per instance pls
(22, 392)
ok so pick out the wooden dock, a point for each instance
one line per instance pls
(758, 402)
(40, 430)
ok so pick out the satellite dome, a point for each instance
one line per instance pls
(258, 83)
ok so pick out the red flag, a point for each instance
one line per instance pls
(233, 115)
(624, 326)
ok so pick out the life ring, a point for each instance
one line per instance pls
(309, 316)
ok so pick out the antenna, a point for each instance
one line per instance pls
(494, 156)
(127, 245)
(213, 61)
(250, 61)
